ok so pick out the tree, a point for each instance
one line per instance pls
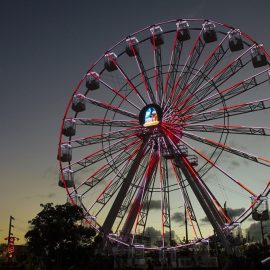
(57, 239)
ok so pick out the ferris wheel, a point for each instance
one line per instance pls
(166, 135)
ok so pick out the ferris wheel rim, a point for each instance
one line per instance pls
(266, 191)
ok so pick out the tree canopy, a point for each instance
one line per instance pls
(57, 238)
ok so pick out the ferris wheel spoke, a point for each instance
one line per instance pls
(145, 79)
(227, 148)
(110, 219)
(203, 193)
(162, 201)
(117, 92)
(100, 155)
(158, 72)
(193, 57)
(219, 169)
(211, 62)
(165, 200)
(105, 122)
(128, 80)
(103, 137)
(209, 204)
(110, 107)
(217, 80)
(136, 185)
(228, 93)
(229, 111)
(231, 91)
(145, 180)
(106, 169)
(173, 67)
(230, 129)
(143, 212)
(187, 203)
(213, 164)
(114, 184)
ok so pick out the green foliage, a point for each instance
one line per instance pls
(57, 239)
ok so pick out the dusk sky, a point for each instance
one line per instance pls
(46, 47)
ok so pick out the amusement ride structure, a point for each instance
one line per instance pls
(164, 130)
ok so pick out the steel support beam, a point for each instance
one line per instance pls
(110, 219)
(137, 203)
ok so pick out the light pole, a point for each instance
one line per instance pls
(10, 239)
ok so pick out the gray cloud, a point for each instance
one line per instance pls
(152, 232)
(51, 195)
(205, 220)
(154, 205)
(231, 213)
(235, 163)
(178, 217)
(235, 212)
(156, 234)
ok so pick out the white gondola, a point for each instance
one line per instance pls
(183, 150)
(258, 57)
(75, 198)
(65, 152)
(78, 103)
(68, 178)
(69, 127)
(183, 32)
(92, 81)
(168, 154)
(110, 59)
(235, 41)
(193, 160)
(132, 48)
(209, 32)
(157, 36)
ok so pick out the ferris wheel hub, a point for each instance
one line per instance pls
(150, 115)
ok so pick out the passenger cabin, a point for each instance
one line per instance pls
(235, 41)
(78, 103)
(157, 36)
(68, 177)
(92, 81)
(193, 160)
(258, 57)
(209, 32)
(110, 61)
(132, 48)
(65, 152)
(183, 150)
(69, 127)
(75, 198)
(183, 32)
(167, 154)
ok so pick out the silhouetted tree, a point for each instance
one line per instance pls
(58, 240)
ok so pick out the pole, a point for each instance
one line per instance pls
(262, 232)
(9, 229)
(10, 240)
(186, 227)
